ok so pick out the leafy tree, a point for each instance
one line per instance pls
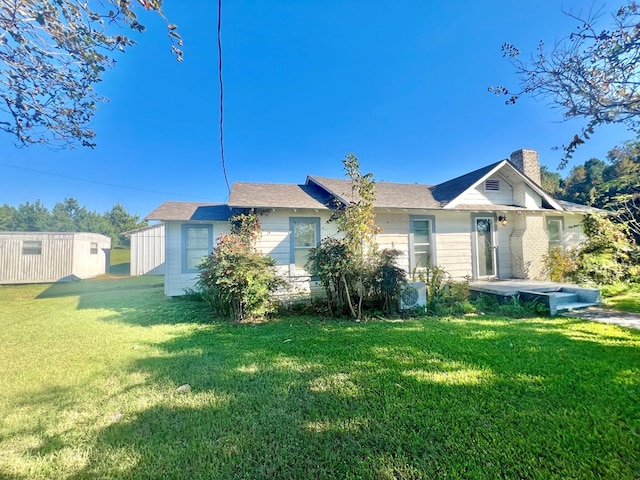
(32, 217)
(68, 216)
(7, 216)
(52, 54)
(551, 181)
(347, 266)
(122, 221)
(592, 74)
(585, 183)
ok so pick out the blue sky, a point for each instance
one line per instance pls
(402, 84)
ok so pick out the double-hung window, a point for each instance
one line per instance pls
(197, 243)
(554, 231)
(421, 242)
(305, 235)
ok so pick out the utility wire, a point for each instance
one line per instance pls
(42, 172)
(224, 167)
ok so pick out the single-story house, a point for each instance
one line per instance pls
(147, 250)
(46, 257)
(494, 222)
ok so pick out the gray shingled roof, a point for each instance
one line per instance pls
(388, 195)
(274, 195)
(445, 192)
(192, 211)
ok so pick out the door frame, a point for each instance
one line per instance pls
(475, 261)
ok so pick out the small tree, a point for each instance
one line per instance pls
(235, 279)
(347, 267)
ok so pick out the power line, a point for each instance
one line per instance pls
(42, 172)
(224, 167)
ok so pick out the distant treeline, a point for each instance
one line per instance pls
(69, 216)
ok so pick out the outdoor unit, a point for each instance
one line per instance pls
(413, 295)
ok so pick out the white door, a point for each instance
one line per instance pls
(485, 247)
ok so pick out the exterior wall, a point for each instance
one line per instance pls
(276, 241)
(451, 239)
(480, 196)
(64, 256)
(175, 280)
(85, 263)
(148, 250)
(529, 244)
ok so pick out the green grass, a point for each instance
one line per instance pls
(89, 372)
(625, 297)
(120, 261)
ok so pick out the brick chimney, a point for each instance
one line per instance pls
(527, 162)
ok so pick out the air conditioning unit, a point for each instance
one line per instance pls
(413, 295)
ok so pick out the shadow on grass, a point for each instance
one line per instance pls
(422, 399)
(136, 300)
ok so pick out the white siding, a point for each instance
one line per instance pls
(480, 196)
(175, 280)
(147, 251)
(64, 256)
(572, 236)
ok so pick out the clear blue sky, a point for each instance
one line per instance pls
(401, 84)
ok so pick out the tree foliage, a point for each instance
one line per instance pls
(52, 54)
(69, 216)
(351, 268)
(592, 74)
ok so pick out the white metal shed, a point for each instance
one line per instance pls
(43, 257)
(147, 250)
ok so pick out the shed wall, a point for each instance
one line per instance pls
(148, 251)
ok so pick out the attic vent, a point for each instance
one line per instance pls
(492, 185)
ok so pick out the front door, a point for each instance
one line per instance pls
(485, 247)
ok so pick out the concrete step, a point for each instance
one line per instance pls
(564, 297)
(564, 307)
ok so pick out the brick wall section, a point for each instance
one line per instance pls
(528, 163)
(529, 244)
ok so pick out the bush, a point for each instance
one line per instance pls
(560, 264)
(235, 279)
(444, 295)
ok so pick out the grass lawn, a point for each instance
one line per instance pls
(89, 373)
(625, 297)
(120, 261)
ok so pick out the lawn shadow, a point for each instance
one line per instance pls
(421, 399)
(136, 300)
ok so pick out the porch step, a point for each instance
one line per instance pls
(564, 297)
(565, 307)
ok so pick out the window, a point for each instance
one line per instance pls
(420, 244)
(32, 247)
(305, 235)
(94, 248)
(554, 231)
(197, 242)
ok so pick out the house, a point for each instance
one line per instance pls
(494, 222)
(147, 250)
(43, 257)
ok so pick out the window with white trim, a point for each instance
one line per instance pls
(305, 235)
(197, 243)
(94, 248)
(420, 243)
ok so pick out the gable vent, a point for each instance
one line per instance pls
(492, 185)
